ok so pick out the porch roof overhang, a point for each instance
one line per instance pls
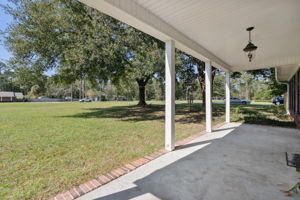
(215, 30)
(285, 73)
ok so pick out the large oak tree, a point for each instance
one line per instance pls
(81, 43)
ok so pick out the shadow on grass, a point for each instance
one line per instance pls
(127, 113)
(263, 115)
(266, 121)
(151, 112)
(252, 114)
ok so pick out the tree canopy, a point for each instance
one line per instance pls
(91, 51)
(81, 43)
(65, 34)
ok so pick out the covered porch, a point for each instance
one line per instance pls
(215, 32)
(236, 161)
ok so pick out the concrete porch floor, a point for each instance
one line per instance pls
(236, 161)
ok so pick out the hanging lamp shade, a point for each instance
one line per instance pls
(250, 49)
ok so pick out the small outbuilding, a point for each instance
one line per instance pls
(11, 96)
(7, 96)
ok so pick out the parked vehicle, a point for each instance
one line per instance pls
(86, 100)
(43, 97)
(234, 100)
(68, 98)
(278, 100)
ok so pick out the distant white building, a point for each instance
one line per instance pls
(10, 96)
(19, 95)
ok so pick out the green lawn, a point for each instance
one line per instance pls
(46, 148)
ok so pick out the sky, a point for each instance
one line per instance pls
(5, 20)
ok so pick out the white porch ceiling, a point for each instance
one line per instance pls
(215, 29)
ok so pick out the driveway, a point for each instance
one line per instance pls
(236, 161)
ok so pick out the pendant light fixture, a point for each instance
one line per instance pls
(250, 48)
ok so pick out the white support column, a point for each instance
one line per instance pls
(208, 101)
(227, 91)
(288, 99)
(170, 96)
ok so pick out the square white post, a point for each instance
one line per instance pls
(227, 91)
(288, 99)
(170, 96)
(208, 101)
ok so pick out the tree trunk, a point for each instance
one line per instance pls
(203, 97)
(247, 91)
(201, 79)
(202, 88)
(162, 92)
(142, 99)
(80, 89)
(142, 91)
(72, 92)
(83, 88)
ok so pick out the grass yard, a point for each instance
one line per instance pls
(46, 148)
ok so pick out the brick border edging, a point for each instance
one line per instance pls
(91, 185)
